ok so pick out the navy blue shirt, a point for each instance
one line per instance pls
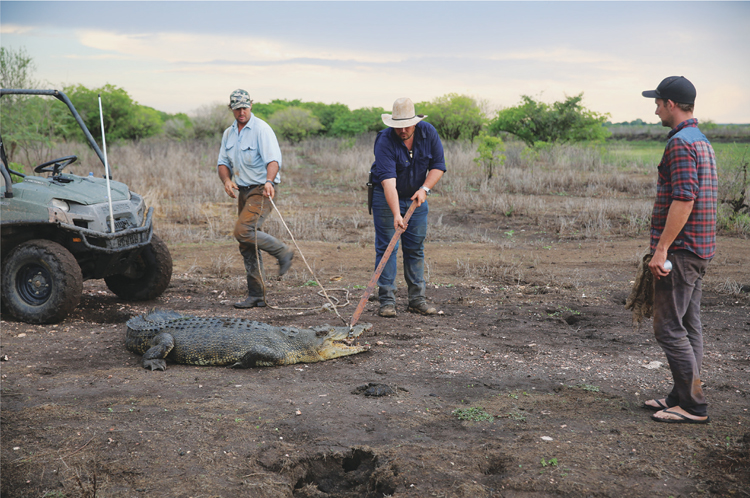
(392, 158)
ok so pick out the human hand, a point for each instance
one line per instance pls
(229, 188)
(659, 265)
(419, 197)
(268, 190)
(398, 223)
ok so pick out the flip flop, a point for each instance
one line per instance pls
(661, 406)
(682, 420)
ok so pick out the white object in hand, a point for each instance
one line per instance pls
(668, 265)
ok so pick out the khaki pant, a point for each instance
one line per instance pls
(253, 208)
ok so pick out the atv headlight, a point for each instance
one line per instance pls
(61, 205)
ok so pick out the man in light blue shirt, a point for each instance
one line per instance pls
(250, 152)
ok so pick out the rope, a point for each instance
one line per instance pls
(330, 304)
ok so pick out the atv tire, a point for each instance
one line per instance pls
(41, 282)
(153, 273)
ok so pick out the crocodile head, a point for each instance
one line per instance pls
(332, 341)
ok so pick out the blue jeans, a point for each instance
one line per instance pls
(412, 247)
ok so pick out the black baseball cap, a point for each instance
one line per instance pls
(675, 88)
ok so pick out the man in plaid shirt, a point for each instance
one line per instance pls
(683, 238)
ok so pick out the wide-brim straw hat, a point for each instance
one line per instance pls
(403, 115)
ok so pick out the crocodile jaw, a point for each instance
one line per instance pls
(334, 344)
(331, 349)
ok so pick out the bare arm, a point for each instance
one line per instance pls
(679, 212)
(391, 197)
(432, 178)
(225, 175)
(272, 170)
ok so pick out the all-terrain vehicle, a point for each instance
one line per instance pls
(57, 232)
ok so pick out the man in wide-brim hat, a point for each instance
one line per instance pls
(408, 163)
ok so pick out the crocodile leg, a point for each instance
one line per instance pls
(260, 356)
(161, 345)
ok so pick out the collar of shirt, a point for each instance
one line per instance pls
(419, 136)
(688, 122)
(248, 126)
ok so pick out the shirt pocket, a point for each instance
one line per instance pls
(401, 166)
(231, 142)
(248, 149)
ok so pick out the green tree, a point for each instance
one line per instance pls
(490, 150)
(16, 68)
(454, 116)
(566, 121)
(357, 122)
(265, 111)
(294, 123)
(123, 118)
(326, 113)
(29, 124)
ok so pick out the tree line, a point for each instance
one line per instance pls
(456, 117)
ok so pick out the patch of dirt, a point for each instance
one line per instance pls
(533, 336)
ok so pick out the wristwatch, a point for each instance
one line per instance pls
(427, 191)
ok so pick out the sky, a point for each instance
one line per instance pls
(178, 56)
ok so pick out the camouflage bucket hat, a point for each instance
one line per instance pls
(239, 98)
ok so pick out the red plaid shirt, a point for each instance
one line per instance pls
(687, 172)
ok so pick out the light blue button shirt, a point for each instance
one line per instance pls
(248, 153)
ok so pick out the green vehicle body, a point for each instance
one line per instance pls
(57, 232)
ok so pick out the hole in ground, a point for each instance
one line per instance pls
(356, 474)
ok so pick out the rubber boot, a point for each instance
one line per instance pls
(277, 249)
(255, 298)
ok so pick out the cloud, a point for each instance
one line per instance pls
(177, 48)
(15, 29)
(180, 58)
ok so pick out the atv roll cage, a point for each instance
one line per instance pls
(102, 242)
(64, 99)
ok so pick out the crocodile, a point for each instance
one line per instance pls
(235, 342)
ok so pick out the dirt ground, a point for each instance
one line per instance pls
(533, 336)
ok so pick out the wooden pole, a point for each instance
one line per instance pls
(374, 280)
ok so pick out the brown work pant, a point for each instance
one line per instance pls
(677, 327)
(253, 208)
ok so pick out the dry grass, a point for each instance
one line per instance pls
(561, 193)
(571, 191)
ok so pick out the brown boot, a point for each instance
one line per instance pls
(387, 311)
(422, 308)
